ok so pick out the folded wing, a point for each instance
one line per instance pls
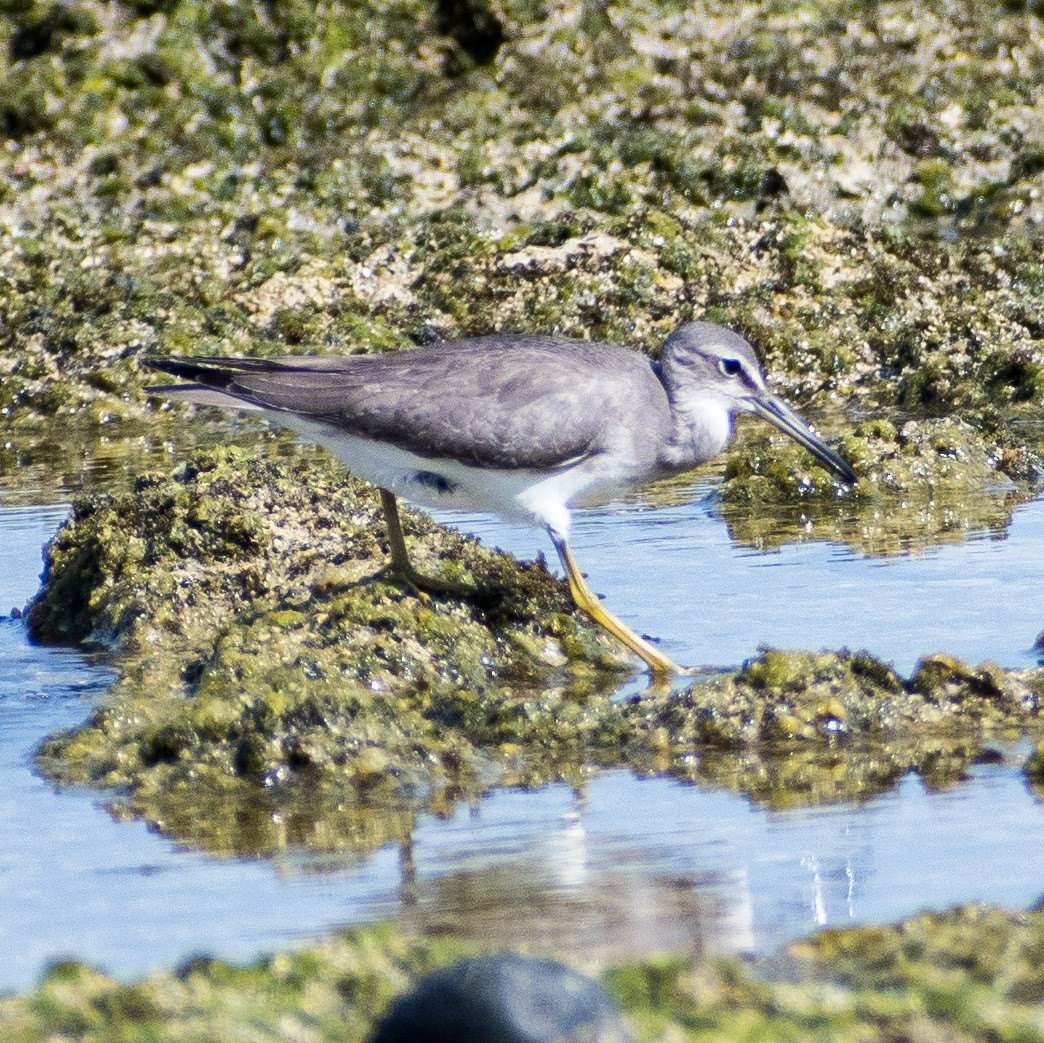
(506, 402)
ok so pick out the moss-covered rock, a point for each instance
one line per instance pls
(279, 687)
(923, 483)
(264, 646)
(970, 973)
(796, 728)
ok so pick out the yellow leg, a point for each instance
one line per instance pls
(588, 602)
(400, 556)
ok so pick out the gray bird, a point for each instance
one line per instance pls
(526, 427)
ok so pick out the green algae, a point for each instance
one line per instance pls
(263, 648)
(330, 991)
(969, 973)
(921, 483)
(798, 729)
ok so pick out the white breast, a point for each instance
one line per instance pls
(705, 423)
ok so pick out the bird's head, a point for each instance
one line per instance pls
(712, 365)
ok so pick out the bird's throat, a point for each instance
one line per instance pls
(702, 429)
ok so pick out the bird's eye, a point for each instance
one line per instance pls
(730, 367)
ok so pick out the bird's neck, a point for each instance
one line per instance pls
(702, 427)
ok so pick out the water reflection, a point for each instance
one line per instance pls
(37, 468)
(651, 866)
(563, 895)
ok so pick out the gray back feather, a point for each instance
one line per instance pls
(500, 401)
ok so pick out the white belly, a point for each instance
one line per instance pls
(523, 495)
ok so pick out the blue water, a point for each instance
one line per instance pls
(674, 573)
(627, 865)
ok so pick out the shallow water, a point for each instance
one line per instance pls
(628, 865)
(673, 572)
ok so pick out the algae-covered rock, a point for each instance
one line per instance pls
(791, 696)
(971, 973)
(333, 990)
(225, 178)
(278, 687)
(943, 459)
(265, 649)
(921, 483)
(968, 973)
(798, 728)
(229, 534)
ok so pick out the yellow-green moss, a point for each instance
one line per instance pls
(970, 973)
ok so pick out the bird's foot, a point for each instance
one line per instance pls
(426, 585)
(663, 682)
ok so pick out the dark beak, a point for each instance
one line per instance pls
(780, 415)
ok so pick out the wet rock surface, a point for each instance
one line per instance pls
(264, 648)
(346, 178)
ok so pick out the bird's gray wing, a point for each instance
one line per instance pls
(500, 401)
